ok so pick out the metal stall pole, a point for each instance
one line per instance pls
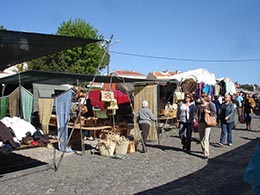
(56, 167)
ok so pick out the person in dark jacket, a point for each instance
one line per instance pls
(227, 120)
(218, 106)
(89, 113)
(185, 115)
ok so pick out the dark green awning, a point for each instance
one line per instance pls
(59, 78)
(17, 47)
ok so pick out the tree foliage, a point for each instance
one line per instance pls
(83, 59)
(247, 87)
(2, 27)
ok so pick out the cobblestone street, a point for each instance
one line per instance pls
(165, 169)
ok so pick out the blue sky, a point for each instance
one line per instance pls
(187, 29)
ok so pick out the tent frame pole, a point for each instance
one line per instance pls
(56, 167)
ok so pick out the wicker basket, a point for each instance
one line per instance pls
(122, 147)
(107, 148)
(173, 113)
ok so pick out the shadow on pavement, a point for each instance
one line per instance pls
(15, 162)
(163, 148)
(246, 138)
(249, 130)
(222, 176)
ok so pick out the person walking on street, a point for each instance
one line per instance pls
(236, 105)
(227, 120)
(144, 118)
(239, 99)
(248, 106)
(217, 105)
(204, 129)
(185, 116)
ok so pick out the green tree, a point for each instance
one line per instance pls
(77, 60)
(247, 87)
(2, 27)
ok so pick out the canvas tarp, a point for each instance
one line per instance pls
(199, 75)
(149, 93)
(46, 91)
(229, 85)
(17, 47)
(59, 78)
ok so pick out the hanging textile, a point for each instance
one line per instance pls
(45, 110)
(27, 104)
(206, 89)
(63, 104)
(189, 86)
(217, 89)
(149, 93)
(200, 88)
(3, 106)
(14, 103)
(212, 90)
(222, 85)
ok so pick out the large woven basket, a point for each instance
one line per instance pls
(121, 147)
(107, 148)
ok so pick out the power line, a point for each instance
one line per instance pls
(184, 59)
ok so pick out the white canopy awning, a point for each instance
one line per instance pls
(199, 75)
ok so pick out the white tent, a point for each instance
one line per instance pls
(199, 75)
(230, 86)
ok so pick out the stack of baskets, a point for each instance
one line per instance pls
(113, 143)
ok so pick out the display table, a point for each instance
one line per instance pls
(168, 120)
(95, 128)
(84, 128)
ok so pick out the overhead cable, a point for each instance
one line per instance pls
(184, 59)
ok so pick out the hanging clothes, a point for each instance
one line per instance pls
(217, 90)
(200, 88)
(3, 106)
(45, 110)
(222, 86)
(189, 85)
(212, 90)
(14, 103)
(27, 104)
(206, 89)
(63, 105)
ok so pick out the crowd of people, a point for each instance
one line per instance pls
(224, 109)
(191, 111)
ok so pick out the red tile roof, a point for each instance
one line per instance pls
(128, 73)
(163, 73)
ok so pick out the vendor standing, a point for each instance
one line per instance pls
(144, 119)
(88, 113)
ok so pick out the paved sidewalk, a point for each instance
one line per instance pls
(165, 169)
